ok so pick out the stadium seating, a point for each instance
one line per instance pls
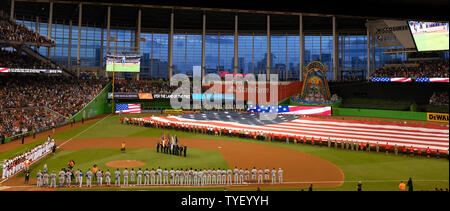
(13, 59)
(143, 86)
(38, 102)
(436, 69)
(11, 31)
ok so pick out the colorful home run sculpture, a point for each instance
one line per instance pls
(315, 86)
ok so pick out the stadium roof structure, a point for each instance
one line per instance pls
(350, 15)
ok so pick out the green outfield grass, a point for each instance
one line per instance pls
(431, 41)
(377, 171)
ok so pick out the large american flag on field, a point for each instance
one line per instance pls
(128, 108)
(403, 135)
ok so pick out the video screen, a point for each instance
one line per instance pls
(123, 62)
(429, 36)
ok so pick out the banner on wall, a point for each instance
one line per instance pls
(24, 70)
(437, 117)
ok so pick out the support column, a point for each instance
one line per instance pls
(138, 37)
(203, 44)
(69, 56)
(49, 30)
(80, 14)
(218, 51)
(236, 40)
(335, 50)
(368, 52)
(373, 53)
(108, 33)
(101, 55)
(37, 24)
(11, 17)
(171, 45)
(151, 60)
(302, 47)
(286, 70)
(269, 54)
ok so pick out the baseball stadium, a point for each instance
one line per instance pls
(184, 96)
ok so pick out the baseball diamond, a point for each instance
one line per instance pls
(175, 96)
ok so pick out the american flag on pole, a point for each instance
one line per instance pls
(128, 108)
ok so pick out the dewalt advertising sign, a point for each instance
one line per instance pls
(437, 117)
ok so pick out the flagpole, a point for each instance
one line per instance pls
(114, 67)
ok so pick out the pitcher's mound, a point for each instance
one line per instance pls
(125, 163)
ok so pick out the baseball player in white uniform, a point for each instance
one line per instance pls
(236, 175)
(274, 176)
(172, 176)
(132, 176)
(165, 177)
(241, 176)
(195, 176)
(213, 176)
(280, 175)
(152, 176)
(266, 175)
(159, 176)
(125, 176)
(260, 176)
(89, 178)
(224, 177)
(108, 178)
(39, 179)
(247, 175)
(99, 178)
(139, 177)
(254, 172)
(229, 172)
(147, 177)
(117, 177)
(186, 177)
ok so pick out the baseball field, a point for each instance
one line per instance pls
(98, 142)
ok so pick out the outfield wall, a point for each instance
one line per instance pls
(410, 115)
(99, 105)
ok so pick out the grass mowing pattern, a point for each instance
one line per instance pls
(377, 170)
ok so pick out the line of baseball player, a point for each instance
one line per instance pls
(190, 177)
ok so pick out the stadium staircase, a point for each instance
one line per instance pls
(44, 59)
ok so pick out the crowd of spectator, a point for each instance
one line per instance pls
(435, 69)
(14, 59)
(144, 86)
(11, 31)
(439, 98)
(352, 76)
(34, 102)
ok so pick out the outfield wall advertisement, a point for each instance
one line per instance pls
(24, 70)
(437, 117)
